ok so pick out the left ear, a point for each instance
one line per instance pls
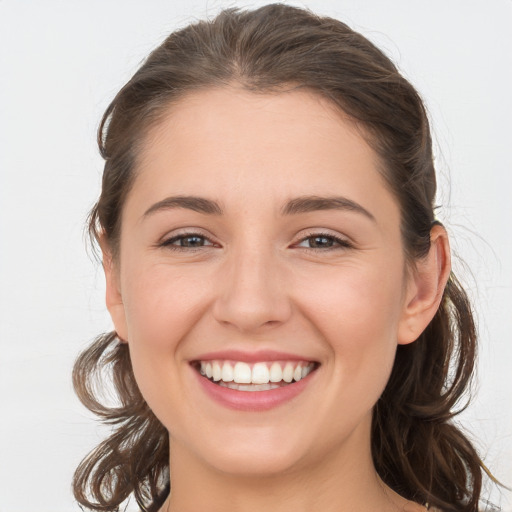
(425, 288)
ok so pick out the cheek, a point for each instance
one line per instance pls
(357, 312)
(161, 305)
(355, 307)
(360, 300)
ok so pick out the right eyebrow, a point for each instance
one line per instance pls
(197, 204)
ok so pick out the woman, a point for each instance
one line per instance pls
(288, 333)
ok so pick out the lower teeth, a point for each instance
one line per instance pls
(249, 387)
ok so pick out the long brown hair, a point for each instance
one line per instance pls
(418, 450)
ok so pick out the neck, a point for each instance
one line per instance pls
(340, 481)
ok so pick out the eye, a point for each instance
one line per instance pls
(186, 241)
(323, 241)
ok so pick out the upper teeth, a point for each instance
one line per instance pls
(258, 373)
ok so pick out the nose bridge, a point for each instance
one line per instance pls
(252, 292)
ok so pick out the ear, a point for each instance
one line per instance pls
(425, 287)
(114, 297)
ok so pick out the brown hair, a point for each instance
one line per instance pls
(417, 448)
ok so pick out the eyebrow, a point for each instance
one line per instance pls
(302, 204)
(197, 204)
(305, 204)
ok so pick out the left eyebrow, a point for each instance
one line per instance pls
(306, 204)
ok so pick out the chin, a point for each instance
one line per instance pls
(253, 463)
(254, 452)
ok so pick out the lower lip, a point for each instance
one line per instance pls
(253, 400)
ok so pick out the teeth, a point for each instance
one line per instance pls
(242, 373)
(276, 373)
(227, 372)
(260, 374)
(216, 371)
(249, 387)
(258, 377)
(288, 372)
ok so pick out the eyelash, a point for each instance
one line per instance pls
(342, 244)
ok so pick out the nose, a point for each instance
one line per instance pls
(252, 293)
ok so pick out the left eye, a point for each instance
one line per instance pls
(190, 240)
(323, 241)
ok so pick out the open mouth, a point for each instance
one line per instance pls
(259, 376)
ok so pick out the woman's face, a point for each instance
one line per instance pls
(259, 236)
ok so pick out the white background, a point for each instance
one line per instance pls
(61, 62)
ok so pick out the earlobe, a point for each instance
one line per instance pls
(113, 297)
(426, 287)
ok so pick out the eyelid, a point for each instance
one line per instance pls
(168, 240)
(342, 242)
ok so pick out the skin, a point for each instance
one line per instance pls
(259, 282)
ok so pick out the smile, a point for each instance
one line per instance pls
(254, 381)
(259, 376)
(252, 386)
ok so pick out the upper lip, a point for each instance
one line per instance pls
(252, 357)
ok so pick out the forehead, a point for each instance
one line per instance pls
(231, 145)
